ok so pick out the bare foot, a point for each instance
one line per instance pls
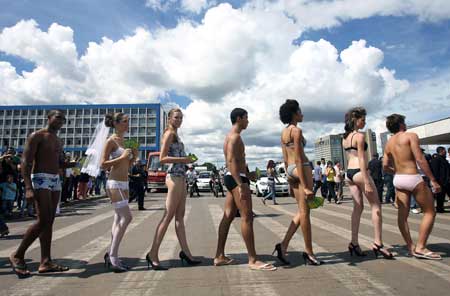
(223, 260)
(259, 265)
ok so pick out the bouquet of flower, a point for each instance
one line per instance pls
(316, 202)
(193, 157)
(131, 144)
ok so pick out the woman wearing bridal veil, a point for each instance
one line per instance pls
(110, 154)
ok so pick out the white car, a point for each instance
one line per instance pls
(260, 187)
(203, 181)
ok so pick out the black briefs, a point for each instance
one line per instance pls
(230, 183)
(352, 172)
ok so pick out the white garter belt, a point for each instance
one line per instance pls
(113, 184)
(120, 204)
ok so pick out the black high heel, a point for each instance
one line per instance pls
(280, 254)
(114, 268)
(154, 266)
(380, 248)
(357, 249)
(309, 260)
(189, 261)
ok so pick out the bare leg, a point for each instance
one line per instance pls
(180, 229)
(358, 207)
(403, 202)
(172, 202)
(424, 198)
(43, 207)
(224, 227)
(45, 238)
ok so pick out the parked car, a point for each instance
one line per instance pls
(260, 187)
(203, 181)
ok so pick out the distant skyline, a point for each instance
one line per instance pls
(211, 56)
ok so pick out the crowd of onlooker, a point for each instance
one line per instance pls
(75, 186)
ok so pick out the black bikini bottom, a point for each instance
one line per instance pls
(230, 183)
(352, 172)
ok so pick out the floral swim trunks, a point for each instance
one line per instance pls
(46, 181)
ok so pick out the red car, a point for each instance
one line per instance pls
(156, 172)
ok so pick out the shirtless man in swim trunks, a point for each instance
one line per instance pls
(238, 194)
(42, 158)
(402, 154)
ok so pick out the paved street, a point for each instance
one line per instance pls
(82, 235)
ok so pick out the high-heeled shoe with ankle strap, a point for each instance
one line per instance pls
(154, 266)
(380, 249)
(189, 261)
(280, 254)
(355, 249)
(311, 259)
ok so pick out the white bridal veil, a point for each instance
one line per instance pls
(94, 152)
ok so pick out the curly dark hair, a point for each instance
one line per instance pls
(350, 119)
(287, 111)
(112, 118)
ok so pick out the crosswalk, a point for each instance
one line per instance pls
(341, 275)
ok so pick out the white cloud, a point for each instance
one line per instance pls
(190, 6)
(233, 57)
(327, 14)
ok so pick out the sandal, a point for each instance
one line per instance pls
(227, 261)
(53, 267)
(264, 267)
(429, 256)
(19, 269)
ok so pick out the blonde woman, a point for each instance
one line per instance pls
(172, 152)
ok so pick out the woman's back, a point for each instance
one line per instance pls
(289, 135)
(350, 145)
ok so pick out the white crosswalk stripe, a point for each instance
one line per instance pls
(135, 285)
(356, 280)
(43, 285)
(386, 227)
(251, 282)
(437, 268)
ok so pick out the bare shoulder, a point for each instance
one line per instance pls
(233, 137)
(411, 135)
(359, 136)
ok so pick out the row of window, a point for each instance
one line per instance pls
(147, 141)
(72, 121)
(101, 111)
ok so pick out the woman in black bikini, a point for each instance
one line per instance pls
(360, 182)
(300, 179)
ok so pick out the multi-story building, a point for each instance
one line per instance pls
(147, 122)
(330, 147)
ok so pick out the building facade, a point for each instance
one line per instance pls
(147, 122)
(330, 147)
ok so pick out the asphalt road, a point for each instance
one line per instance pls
(82, 235)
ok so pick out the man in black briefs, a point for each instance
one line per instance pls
(238, 194)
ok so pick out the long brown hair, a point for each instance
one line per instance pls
(350, 119)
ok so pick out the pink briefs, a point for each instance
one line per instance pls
(407, 182)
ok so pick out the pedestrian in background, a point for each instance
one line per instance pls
(376, 172)
(339, 180)
(440, 169)
(317, 177)
(331, 185)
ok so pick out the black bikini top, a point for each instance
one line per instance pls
(355, 148)
(291, 143)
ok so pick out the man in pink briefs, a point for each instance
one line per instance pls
(402, 154)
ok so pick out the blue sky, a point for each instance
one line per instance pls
(414, 49)
(242, 55)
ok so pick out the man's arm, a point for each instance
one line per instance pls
(421, 161)
(234, 146)
(28, 158)
(387, 162)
